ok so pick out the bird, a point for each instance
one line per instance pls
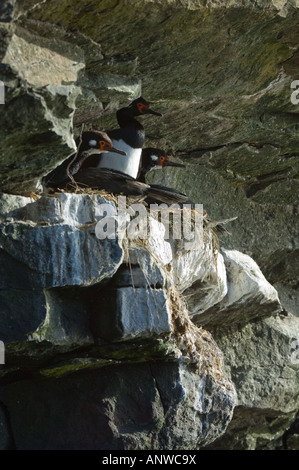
(94, 143)
(90, 143)
(154, 159)
(73, 170)
(129, 137)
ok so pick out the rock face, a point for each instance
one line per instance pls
(83, 312)
(208, 336)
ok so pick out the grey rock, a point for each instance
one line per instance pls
(263, 431)
(32, 117)
(43, 244)
(246, 286)
(87, 302)
(16, 323)
(200, 275)
(43, 61)
(293, 442)
(57, 247)
(6, 438)
(262, 361)
(142, 415)
(135, 302)
(131, 312)
(6, 10)
(211, 404)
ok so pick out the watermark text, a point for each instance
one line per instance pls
(2, 93)
(135, 221)
(295, 93)
(2, 353)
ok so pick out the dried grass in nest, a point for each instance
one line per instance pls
(193, 219)
(195, 342)
(84, 189)
(35, 196)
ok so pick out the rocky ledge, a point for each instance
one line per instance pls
(112, 328)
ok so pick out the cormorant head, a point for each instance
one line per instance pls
(153, 158)
(95, 142)
(140, 106)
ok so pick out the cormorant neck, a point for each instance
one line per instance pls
(125, 119)
(141, 176)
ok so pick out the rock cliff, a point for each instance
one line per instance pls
(147, 344)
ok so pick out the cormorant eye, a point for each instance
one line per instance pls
(103, 144)
(141, 107)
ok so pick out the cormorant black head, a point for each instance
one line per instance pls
(140, 106)
(95, 142)
(152, 158)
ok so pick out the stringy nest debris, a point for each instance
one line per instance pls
(84, 189)
(35, 196)
(194, 342)
(215, 227)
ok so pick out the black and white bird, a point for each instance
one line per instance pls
(74, 171)
(91, 144)
(154, 159)
(129, 138)
(94, 144)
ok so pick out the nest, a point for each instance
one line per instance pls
(84, 189)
